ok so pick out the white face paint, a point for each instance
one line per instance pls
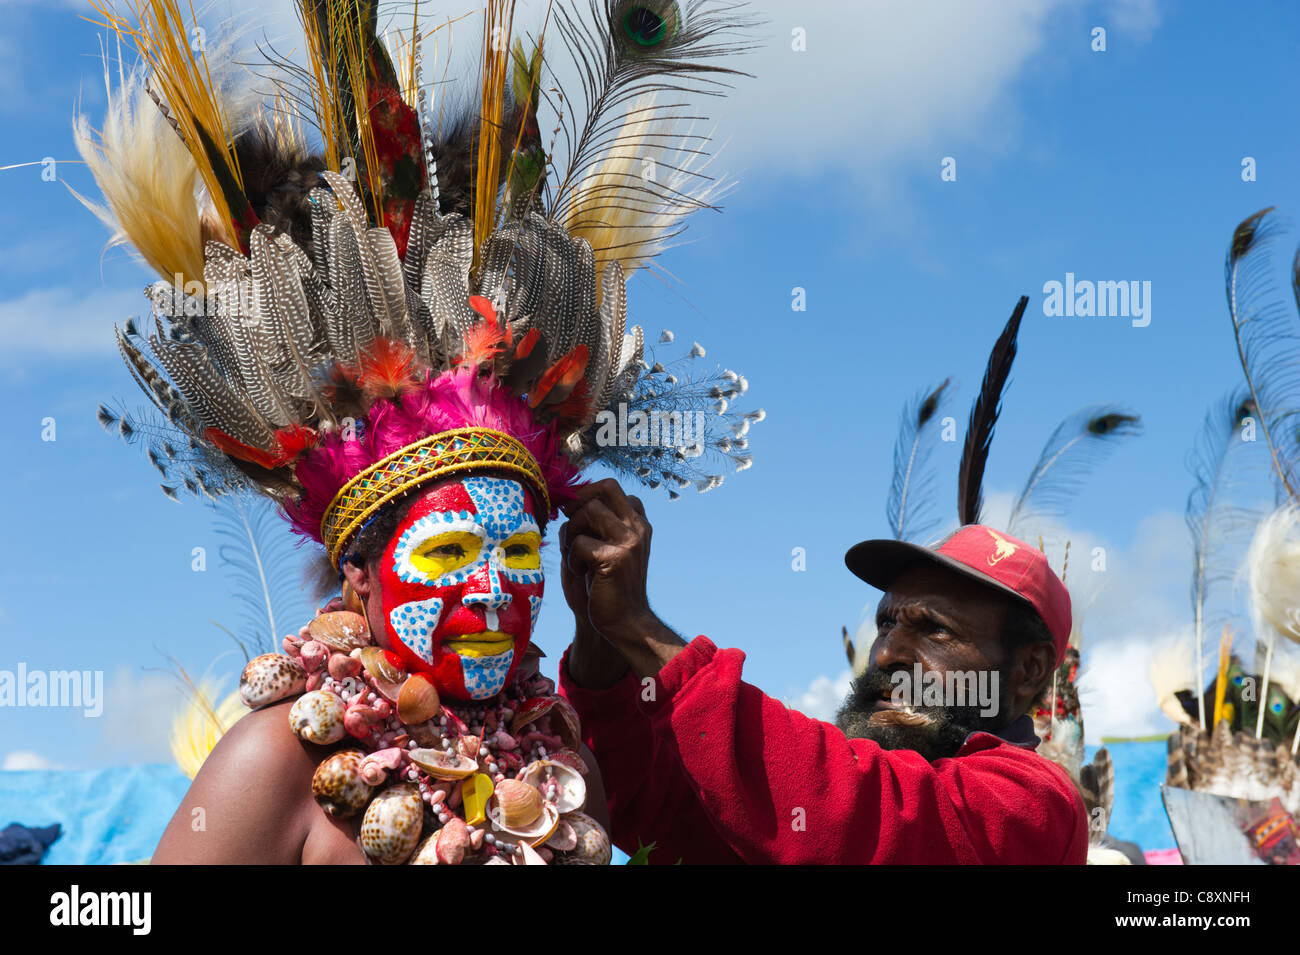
(464, 581)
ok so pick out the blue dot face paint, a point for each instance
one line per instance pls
(461, 584)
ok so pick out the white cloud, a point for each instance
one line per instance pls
(66, 322)
(139, 706)
(1135, 19)
(25, 759)
(823, 697)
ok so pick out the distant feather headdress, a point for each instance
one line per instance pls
(407, 299)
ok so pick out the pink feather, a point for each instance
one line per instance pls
(460, 398)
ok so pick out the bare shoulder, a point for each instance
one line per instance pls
(250, 802)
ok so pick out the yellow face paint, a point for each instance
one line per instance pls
(523, 551)
(444, 553)
(486, 644)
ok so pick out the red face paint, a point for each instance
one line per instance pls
(460, 585)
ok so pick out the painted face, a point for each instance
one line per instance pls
(461, 585)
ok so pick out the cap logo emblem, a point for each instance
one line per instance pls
(1002, 548)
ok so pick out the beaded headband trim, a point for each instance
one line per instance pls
(430, 459)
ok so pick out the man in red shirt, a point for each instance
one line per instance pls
(714, 771)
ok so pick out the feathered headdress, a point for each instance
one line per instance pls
(409, 300)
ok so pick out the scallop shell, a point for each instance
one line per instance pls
(391, 826)
(270, 678)
(568, 793)
(317, 717)
(341, 630)
(338, 786)
(441, 764)
(593, 842)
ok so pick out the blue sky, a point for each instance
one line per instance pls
(1115, 165)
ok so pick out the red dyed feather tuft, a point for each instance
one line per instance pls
(572, 411)
(558, 382)
(292, 442)
(527, 344)
(234, 448)
(387, 369)
(483, 342)
(484, 307)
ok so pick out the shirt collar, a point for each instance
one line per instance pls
(1018, 733)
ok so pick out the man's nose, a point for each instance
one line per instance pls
(892, 651)
(484, 590)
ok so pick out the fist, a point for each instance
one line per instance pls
(605, 548)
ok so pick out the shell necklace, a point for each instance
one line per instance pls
(494, 782)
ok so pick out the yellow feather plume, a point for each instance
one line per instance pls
(184, 81)
(612, 209)
(148, 179)
(498, 22)
(197, 728)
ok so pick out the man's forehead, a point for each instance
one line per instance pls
(499, 504)
(940, 590)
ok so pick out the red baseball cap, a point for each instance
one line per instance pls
(980, 552)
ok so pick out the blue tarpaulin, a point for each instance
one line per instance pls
(108, 816)
(1138, 815)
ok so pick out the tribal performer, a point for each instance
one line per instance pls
(413, 338)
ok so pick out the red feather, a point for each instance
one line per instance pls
(527, 344)
(232, 447)
(483, 342)
(484, 307)
(289, 443)
(558, 381)
(293, 441)
(573, 409)
(386, 369)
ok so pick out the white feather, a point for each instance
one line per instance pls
(1171, 670)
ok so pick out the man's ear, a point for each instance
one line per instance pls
(1036, 663)
(359, 577)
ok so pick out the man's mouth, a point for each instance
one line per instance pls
(488, 643)
(888, 703)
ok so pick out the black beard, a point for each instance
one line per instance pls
(935, 732)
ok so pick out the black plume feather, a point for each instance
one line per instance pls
(278, 175)
(983, 416)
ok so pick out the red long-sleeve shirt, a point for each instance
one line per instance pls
(714, 771)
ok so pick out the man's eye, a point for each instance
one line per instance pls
(522, 552)
(445, 553)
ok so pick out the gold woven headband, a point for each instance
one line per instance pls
(432, 458)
